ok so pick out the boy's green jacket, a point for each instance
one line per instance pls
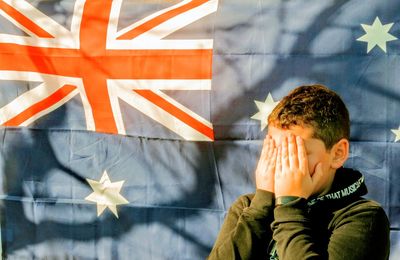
(338, 225)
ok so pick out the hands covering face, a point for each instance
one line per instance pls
(265, 172)
(283, 169)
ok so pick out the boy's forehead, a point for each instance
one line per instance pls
(278, 133)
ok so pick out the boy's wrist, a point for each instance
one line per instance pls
(282, 200)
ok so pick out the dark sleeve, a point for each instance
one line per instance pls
(246, 231)
(362, 233)
(358, 232)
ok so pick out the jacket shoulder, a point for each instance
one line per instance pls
(362, 209)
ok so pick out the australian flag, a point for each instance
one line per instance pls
(128, 127)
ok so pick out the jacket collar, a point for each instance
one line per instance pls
(347, 185)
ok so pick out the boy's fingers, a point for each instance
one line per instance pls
(268, 158)
(272, 162)
(264, 150)
(278, 165)
(270, 147)
(285, 155)
(293, 157)
(302, 154)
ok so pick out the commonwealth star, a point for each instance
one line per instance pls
(397, 133)
(265, 108)
(106, 194)
(376, 34)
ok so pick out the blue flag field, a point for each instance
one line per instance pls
(128, 127)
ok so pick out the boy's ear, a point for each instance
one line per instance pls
(340, 153)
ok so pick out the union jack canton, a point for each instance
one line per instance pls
(103, 64)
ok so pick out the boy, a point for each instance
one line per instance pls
(306, 204)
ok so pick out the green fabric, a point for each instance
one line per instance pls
(285, 200)
(351, 228)
(357, 231)
(246, 228)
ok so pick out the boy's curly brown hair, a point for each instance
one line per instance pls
(314, 106)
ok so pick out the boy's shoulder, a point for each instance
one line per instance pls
(361, 209)
(361, 204)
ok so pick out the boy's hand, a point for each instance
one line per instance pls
(292, 177)
(265, 172)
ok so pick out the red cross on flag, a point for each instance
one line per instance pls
(103, 64)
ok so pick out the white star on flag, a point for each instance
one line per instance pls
(106, 194)
(397, 133)
(377, 34)
(265, 108)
